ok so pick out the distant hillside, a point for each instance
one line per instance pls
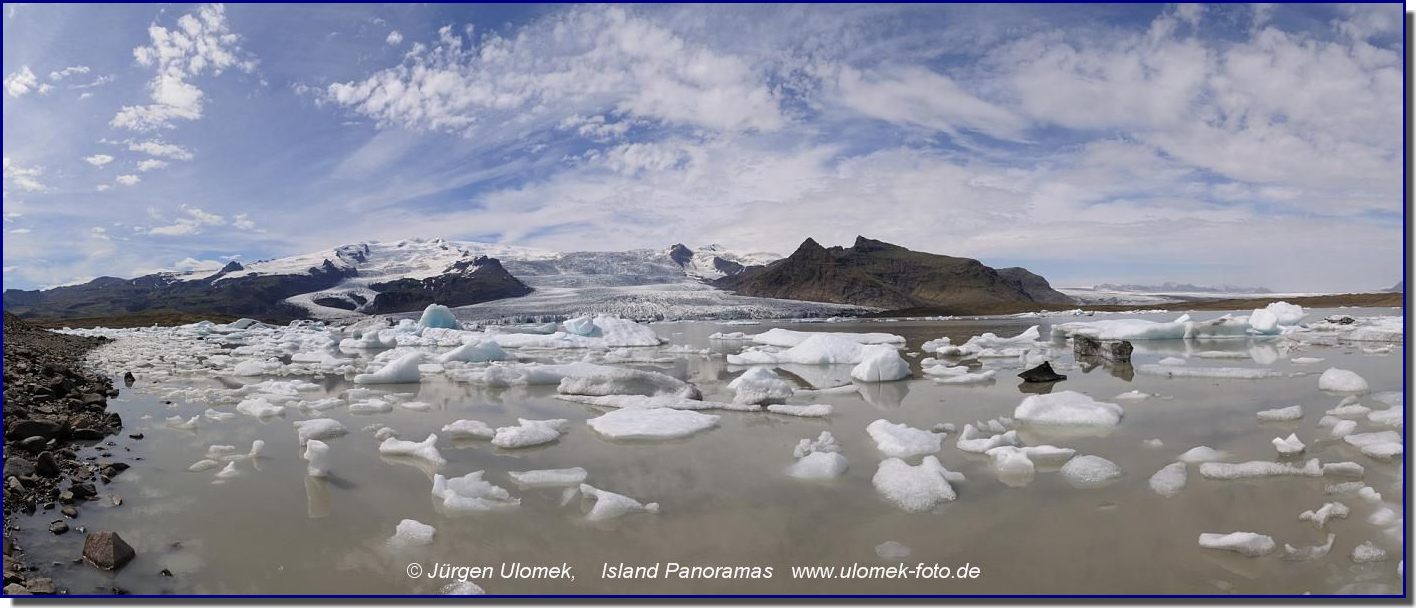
(1171, 287)
(1399, 287)
(878, 274)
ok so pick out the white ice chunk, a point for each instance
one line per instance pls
(609, 505)
(412, 533)
(1202, 454)
(462, 429)
(177, 422)
(437, 315)
(1383, 445)
(1171, 361)
(1090, 471)
(819, 349)
(1259, 468)
(815, 410)
(1282, 414)
(973, 441)
(205, 464)
(760, 385)
(1305, 360)
(317, 458)
(462, 588)
(656, 423)
(1342, 381)
(1367, 553)
(1067, 408)
(786, 338)
(528, 433)
(603, 380)
(318, 428)
(891, 550)
(881, 364)
(403, 370)
(902, 440)
(549, 478)
(259, 407)
(1320, 517)
(470, 494)
(1170, 479)
(1393, 417)
(481, 351)
(1289, 445)
(1292, 553)
(1343, 469)
(913, 488)
(1248, 544)
(211, 414)
(424, 450)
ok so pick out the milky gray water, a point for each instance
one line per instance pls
(726, 501)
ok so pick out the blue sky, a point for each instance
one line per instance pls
(1241, 144)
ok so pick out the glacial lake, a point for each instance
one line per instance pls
(725, 499)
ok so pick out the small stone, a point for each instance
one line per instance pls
(83, 491)
(117, 500)
(129, 379)
(165, 572)
(17, 467)
(87, 434)
(1042, 373)
(136, 436)
(33, 443)
(58, 527)
(69, 511)
(107, 551)
(16, 589)
(66, 497)
(41, 586)
(46, 465)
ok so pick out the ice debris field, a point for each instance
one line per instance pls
(1336, 450)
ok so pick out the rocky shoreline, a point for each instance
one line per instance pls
(53, 406)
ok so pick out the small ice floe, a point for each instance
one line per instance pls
(1259, 468)
(468, 429)
(177, 422)
(423, 450)
(1230, 373)
(1012, 465)
(1248, 544)
(216, 416)
(471, 494)
(403, 370)
(600, 381)
(1067, 408)
(818, 459)
(1289, 445)
(891, 550)
(915, 488)
(228, 471)
(1350, 410)
(549, 478)
(416, 406)
(609, 505)
(1343, 469)
(1342, 381)
(1202, 454)
(1171, 361)
(1391, 417)
(1134, 395)
(1300, 554)
(384, 432)
(412, 533)
(1367, 553)
(1282, 414)
(656, 423)
(319, 428)
(1090, 471)
(259, 407)
(439, 316)
(881, 364)
(481, 351)
(1382, 445)
(529, 433)
(1368, 494)
(1383, 517)
(205, 464)
(902, 440)
(818, 349)
(975, 442)
(257, 446)
(462, 588)
(760, 386)
(786, 338)
(1170, 479)
(317, 458)
(1321, 515)
(1305, 360)
(954, 374)
(1154, 443)
(815, 410)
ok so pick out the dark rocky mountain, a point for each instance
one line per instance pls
(879, 274)
(1399, 287)
(473, 281)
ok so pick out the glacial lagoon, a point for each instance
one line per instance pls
(723, 495)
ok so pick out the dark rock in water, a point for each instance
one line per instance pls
(58, 526)
(107, 551)
(165, 572)
(135, 436)
(41, 586)
(1042, 373)
(129, 379)
(93, 399)
(66, 497)
(83, 491)
(34, 443)
(1118, 351)
(88, 434)
(1340, 319)
(1036, 388)
(30, 428)
(46, 465)
(69, 511)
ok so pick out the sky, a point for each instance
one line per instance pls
(1247, 144)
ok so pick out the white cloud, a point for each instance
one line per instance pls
(917, 96)
(98, 160)
(161, 149)
(98, 232)
(24, 178)
(394, 38)
(151, 164)
(20, 231)
(202, 42)
(103, 187)
(21, 82)
(128, 180)
(191, 264)
(194, 221)
(582, 61)
(242, 222)
(67, 72)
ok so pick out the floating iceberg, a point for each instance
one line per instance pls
(819, 349)
(973, 441)
(481, 351)
(437, 315)
(1282, 414)
(1320, 516)
(471, 494)
(786, 338)
(412, 533)
(1367, 553)
(549, 478)
(318, 428)
(317, 458)
(1090, 471)
(881, 364)
(1259, 468)
(1232, 373)
(955, 374)
(914, 488)
(815, 410)
(258, 407)
(655, 423)
(1342, 381)
(902, 440)
(1012, 464)
(1292, 553)
(529, 433)
(423, 450)
(626, 381)
(463, 429)
(1067, 408)
(760, 386)
(1382, 445)
(1169, 480)
(609, 505)
(818, 459)
(1289, 445)
(1248, 544)
(403, 370)
(891, 550)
